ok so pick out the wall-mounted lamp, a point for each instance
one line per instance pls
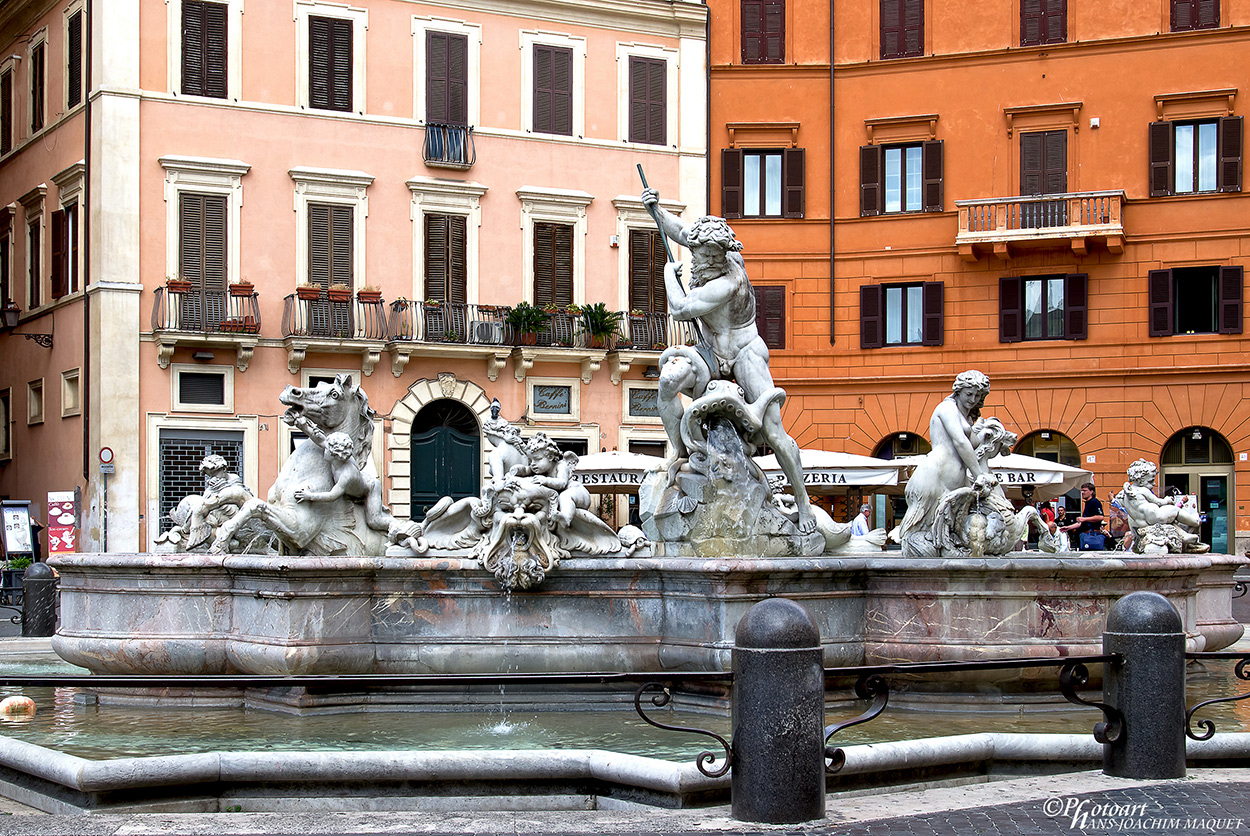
(651, 372)
(11, 313)
(202, 355)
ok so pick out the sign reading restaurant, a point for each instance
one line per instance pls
(613, 477)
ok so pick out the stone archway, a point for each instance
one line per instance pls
(1199, 461)
(399, 440)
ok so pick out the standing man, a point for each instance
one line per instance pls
(1089, 523)
(722, 301)
(860, 526)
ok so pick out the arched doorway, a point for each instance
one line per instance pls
(1053, 446)
(446, 454)
(889, 510)
(1199, 461)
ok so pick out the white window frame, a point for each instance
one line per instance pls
(70, 380)
(530, 37)
(176, 403)
(669, 55)
(234, 52)
(564, 206)
(33, 213)
(433, 196)
(574, 385)
(76, 7)
(9, 65)
(69, 187)
(202, 175)
(342, 188)
(471, 31)
(40, 37)
(631, 214)
(247, 424)
(35, 395)
(304, 9)
(626, 417)
(640, 433)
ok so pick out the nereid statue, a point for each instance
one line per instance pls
(1158, 525)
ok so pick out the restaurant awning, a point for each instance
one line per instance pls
(827, 472)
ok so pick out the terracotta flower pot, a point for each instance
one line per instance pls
(308, 293)
(339, 295)
(369, 296)
(242, 289)
(178, 286)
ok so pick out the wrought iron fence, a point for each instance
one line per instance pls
(331, 318)
(206, 311)
(1241, 671)
(449, 146)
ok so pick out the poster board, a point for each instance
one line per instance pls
(17, 535)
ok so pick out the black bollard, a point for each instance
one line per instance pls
(39, 600)
(778, 716)
(1148, 687)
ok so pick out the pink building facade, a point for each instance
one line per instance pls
(439, 163)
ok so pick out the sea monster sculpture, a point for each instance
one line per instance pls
(1159, 525)
(197, 517)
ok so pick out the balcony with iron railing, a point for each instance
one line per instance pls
(1074, 220)
(449, 146)
(197, 317)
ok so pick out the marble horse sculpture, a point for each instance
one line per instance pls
(1159, 525)
(955, 505)
(327, 497)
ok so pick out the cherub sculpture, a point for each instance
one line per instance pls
(1159, 525)
(196, 518)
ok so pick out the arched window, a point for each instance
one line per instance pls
(1050, 446)
(901, 444)
(1199, 461)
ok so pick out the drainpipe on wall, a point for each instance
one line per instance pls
(707, 109)
(84, 379)
(832, 180)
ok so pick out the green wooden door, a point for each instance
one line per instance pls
(446, 455)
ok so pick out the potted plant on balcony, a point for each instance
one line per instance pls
(526, 321)
(308, 291)
(339, 292)
(600, 323)
(369, 294)
(177, 284)
(242, 288)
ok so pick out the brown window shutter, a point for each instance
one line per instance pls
(59, 267)
(564, 264)
(71, 216)
(192, 48)
(933, 310)
(871, 319)
(1160, 290)
(341, 243)
(215, 49)
(457, 80)
(73, 60)
(319, 59)
(1231, 294)
(330, 244)
(457, 260)
(436, 257)
(913, 27)
(1032, 19)
(647, 100)
(215, 252)
(932, 163)
(770, 315)
(871, 171)
(1230, 153)
(191, 237)
(1208, 14)
(1056, 21)
(1031, 173)
(891, 28)
(753, 48)
(319, 244)
(553, 264)
(38, 82)
(1010, 312)
(553, 90)
(793, 174)
(1076, 306)
(1182, 14)
(330, 63)
(774, 31)
(731, 183)
(6, 291)
(35, 267)
(437, 76)
(341, 81)
(6, 112)
(646, 271)
(1055, 174)
(1162, 154)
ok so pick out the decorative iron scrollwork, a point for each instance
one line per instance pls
(1075, 675)
(869, 686)
(1241, 671)
(660, 699)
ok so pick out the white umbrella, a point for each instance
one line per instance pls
(825, 471)
(614, 471)
(1015, 470)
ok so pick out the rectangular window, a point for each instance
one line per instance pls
(70, 403)
(770, 315)
(446, 78)
(902, 28)
(330, 63)
(71, 245)
(6, 111)
(38, 84)
(763, 184)
(901, 178)
(446, 257)
(34, 261)
(1043, 22)
(1196, 300)
(646, 271)
(553, 90)
(6, 413)
(902, 314)
(34, 402)
(330, 232)
(643, 402)
(1043, 307)
(73, 59)
(1188, 15)
(60, 254)
(553, 264)
(647, 100)
(204, 49)
(6, 279)
(181, 452)
(552, 400)
(1198, 156)
(763, 31)
(202, 253)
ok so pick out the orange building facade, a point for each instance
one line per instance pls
(1047, 191)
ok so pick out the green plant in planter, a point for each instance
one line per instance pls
(524, 319)
(17, 563)
(602, 324)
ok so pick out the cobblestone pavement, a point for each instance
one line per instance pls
(1207, 802)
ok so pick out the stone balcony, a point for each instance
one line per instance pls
(1006, 225)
